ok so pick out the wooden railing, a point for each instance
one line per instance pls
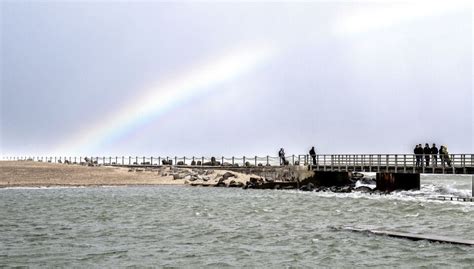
(407, 163)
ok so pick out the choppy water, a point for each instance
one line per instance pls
(168, 226)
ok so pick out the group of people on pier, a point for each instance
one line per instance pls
(431, 153)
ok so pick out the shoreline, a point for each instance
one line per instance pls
(69, 186)
(30, 174)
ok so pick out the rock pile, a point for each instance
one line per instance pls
(366, 185)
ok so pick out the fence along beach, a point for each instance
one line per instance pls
(406, 163)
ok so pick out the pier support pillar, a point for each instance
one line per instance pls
(329, 178)
(397, 181)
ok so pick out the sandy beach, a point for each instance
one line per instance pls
(39, 174)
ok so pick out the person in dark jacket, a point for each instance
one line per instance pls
(434, 153)
(281, 154)
(427, 153)
(312, 153)
(418, 151)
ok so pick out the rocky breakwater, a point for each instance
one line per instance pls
(244, 177)
(202, 177)
(278, 178)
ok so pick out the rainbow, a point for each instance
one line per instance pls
(160, 98)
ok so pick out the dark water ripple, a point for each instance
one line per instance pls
(215, 227)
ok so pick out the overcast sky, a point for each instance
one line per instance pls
(160, 78)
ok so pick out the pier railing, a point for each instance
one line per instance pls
(453, 163)
(405, 163)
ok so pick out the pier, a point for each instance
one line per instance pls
(391, 163)
(392, 171)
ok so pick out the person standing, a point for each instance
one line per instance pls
(418, 151)
(441, 155)
(427, 153)
(312, 153)
(281, 154)
(434, 153)
(446, 156)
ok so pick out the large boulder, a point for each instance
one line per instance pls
(227, 175)
(167, 162)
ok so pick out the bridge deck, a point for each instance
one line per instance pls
(397, 169)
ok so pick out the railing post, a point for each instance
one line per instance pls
(222, 160)
(423, 163)
(404, 163)
(345, 162)
(371, 159)
(324, 160)
(396, 163)
(353, 162)
(362, 160)
(463, 158)
(453, 157)
(136, 160)
(267, 160)
(299, 159)
(202, 161)
(175, 160)
(159, 160)
(443, 164)
(414, 164)
(293, 159)
(232, 160)
(387, 162)
(379, 160)
(129, 160)
(151, 160)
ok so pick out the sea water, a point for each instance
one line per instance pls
(172, 226)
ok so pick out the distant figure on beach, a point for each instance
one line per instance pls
(281, 154)
(312, 153)
(427, 153)
(418, 151)
(434, 153)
